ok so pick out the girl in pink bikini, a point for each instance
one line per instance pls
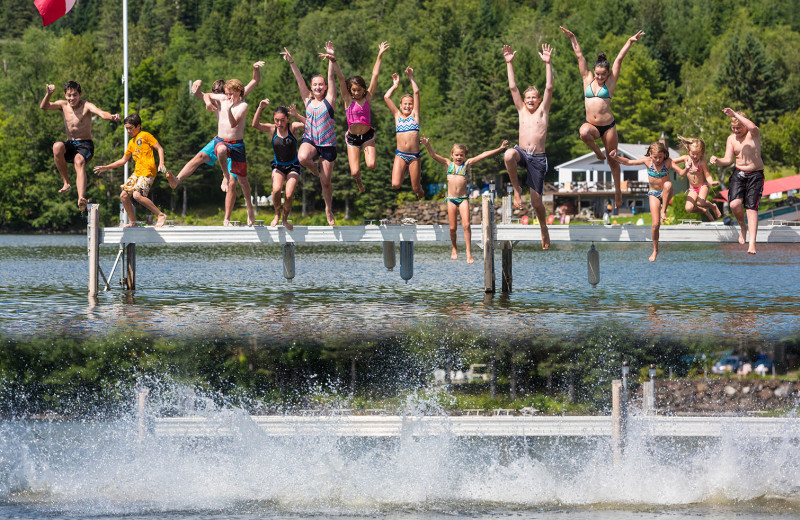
(696, 171)
(360, 133)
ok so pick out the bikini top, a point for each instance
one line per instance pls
(462, 170)
(284, 149)
(406, 124)
(657, 175)
(602, 92)
(319, 124)
(358, 114)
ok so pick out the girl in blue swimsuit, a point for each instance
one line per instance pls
(285, 164)
(406, 120)
(458, 169)
(598, 87)
(658, 163)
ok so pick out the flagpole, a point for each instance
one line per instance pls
(123, 215)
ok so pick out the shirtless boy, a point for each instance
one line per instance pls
(534, 113)
(207, 154)
(747, 180)
(230, 143)
(79, 147)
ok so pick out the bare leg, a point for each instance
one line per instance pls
(307, 154)
(187, 170)
(452, 214)
(370, 155)
(147, 203)
(326, 180)
(666, 196)
(222, 156)
(277, 186)
(589, 134)
(291, 183)
(610, 141)
(541, 214)
(752, 222)
(354, 158)
(125, 199)
(414, 171)
(655, 214)
(61, 165)
(463, 210)
(511, 159)
(80, 180)
(738, 211)
(230, 200)
(248, 202)
(398, 172)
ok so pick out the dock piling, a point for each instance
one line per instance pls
(506, 246)
(288, 260)
(388, 255)
(406, 259)
(93, 233)
(487, 225)
(129, 279)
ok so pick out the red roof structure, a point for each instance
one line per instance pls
(774, 186)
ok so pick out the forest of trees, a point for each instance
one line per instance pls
(697, 57)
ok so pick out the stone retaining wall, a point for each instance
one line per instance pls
(723, 396)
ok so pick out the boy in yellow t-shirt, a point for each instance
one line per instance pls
(140, 147)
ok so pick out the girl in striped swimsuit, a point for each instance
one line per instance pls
(407, 127)
(319, 139)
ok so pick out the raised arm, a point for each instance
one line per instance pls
(346, 99)
(376, 70)
(46, 104)
(436, 157)
(388, 96)
(102, 113)
(256, 77)
(749, 125)
(415, 91)
(332, 65)
(488, 153)
(582, 67)
(301, 83)
(508, 55)
(264, 127)
(546, 53)
(622, 52)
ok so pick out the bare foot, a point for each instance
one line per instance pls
(420, 194)
(741, 237)
(654, 255)
(224, 185)
(717, 212)
(161, 219)
(664, 218)
(470, 260)
(545, 238)
(251, 218)
(274, 221)
(287, 225)
(226, 222)
(598, 153)
(65, 188)
(82, 202)
(751, 250)
(129, 224)
(360, 184)
(331, 220)
(454, 254)
(618, 199)
(517, 200)
(172, 180)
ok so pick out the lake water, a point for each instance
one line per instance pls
(705, 289)
(98, 470)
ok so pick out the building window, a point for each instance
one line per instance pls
(629, 175)
(578, 176)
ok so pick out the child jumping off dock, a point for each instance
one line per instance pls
(79, 147)
(138, 185)
(406, 120)
(458, 169)
(696, 171)
(534, 114)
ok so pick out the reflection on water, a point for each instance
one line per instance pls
(345, 290)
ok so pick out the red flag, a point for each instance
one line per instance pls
(52, 10)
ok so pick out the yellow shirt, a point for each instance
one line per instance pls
(140, 148)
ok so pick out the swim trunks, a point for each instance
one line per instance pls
(236, 154)
(536, 166)
(84, 147)
(407, 157)
(747, 186)
(357, 140)
(140, 184)
(328, 153)
(455, 200)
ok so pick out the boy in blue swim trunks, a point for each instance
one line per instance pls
(79, 147)
(534, 114)
(207, 154)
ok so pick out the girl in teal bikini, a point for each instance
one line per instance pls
(658, 163)
(458, 169)
(407, 127)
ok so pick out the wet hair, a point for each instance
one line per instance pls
(218, 87)
(72, 85)
(687, 143)
(657, 147)
(133, 120)
(602, 61)
(282, 110)
(235, 85)
(356, 80)
(458, 146)
(531, 89)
